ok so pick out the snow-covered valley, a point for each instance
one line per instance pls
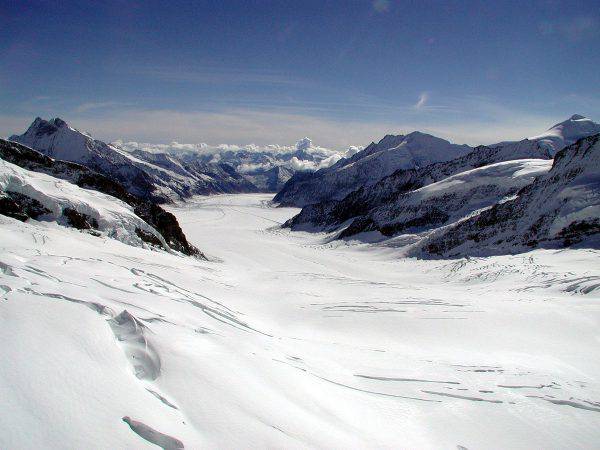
(289, 340)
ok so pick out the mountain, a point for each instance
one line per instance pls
(559, 209)
(329, 215)
(162, 178)
(567, 132)
(22, 199)
(26, 194)
(394, 154)
(187, 177)
(384, 205)
(271, 180)
(55, 138)
(266, 167)
(367, 167)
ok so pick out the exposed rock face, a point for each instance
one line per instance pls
(166, 223)
(21, 207)
(79, 220)
(367, 167)
(162, 221)
(559, 209)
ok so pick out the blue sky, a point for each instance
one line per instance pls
(342, 73)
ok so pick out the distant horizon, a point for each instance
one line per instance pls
(175, 144)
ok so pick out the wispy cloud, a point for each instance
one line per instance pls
(422, 100)
(89, 106)
(470, 119)
(381, 6)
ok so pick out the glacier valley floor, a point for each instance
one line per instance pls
(284, 340)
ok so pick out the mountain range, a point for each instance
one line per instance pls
(164, 173)
(443, 198)
(414, 188)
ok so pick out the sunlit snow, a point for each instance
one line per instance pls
(284, 340)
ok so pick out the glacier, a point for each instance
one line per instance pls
(290, 340)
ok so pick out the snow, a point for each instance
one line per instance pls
(368, 166)
(565, 133)
(286, 340)
(507, 171)
(115, 218)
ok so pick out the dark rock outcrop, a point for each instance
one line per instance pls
(20, 207)
(79, 220)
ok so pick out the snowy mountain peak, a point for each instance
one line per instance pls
(57, 139)
(567, 132)
(576, 124)
(41, 127)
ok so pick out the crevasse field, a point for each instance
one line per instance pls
(284, 340)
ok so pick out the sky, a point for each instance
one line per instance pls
(271, 72)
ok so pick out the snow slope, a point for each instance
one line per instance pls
(559, 209)
(329, 215)
(290, 341)
(567, 132)
(113, 218)
(31, 160)
(451, 199)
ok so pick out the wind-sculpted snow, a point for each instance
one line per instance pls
(290, 341)
(561, 208)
